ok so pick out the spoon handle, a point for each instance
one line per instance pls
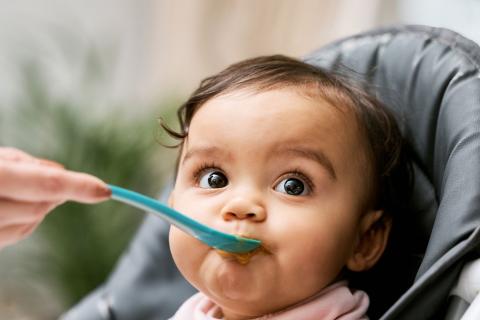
(211, 237)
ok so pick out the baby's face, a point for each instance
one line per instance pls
(280, 167)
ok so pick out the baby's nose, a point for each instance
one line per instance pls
(242, 208)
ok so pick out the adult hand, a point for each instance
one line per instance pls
(31, 187)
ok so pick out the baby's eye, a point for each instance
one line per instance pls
(292, 186)
(212, 179)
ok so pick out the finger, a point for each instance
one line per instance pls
(28, 230)
(49, 163)
(32, 183)
(12, 154)
(14, 212)
(14, 233)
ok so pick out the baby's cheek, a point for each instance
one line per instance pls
(314, 259)
(179, 247)
(186, 251)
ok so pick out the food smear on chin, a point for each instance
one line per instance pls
(242, 258)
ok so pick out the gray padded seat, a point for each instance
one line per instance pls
(430, 78)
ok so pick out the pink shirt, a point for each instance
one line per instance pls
(335, 302)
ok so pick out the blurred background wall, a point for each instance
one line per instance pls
(83, 82)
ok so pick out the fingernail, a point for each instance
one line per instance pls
(103, 191)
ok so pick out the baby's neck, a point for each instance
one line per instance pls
(227, 315)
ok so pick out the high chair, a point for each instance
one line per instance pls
(430, 78)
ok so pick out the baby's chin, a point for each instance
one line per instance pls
(233, 284)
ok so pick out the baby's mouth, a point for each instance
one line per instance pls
(244, 258)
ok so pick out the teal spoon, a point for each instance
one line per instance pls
(211, 237)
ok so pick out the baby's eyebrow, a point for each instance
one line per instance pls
(205, 151)
(315, 155)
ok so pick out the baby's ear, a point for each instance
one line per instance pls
(373, 237)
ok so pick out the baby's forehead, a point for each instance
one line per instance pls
(278, 116)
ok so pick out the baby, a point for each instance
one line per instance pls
(278, 150)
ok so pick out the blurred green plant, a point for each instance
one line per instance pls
(83, 242)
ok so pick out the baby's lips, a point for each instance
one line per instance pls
(265, 246)
(249, 234)
(245, 257)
